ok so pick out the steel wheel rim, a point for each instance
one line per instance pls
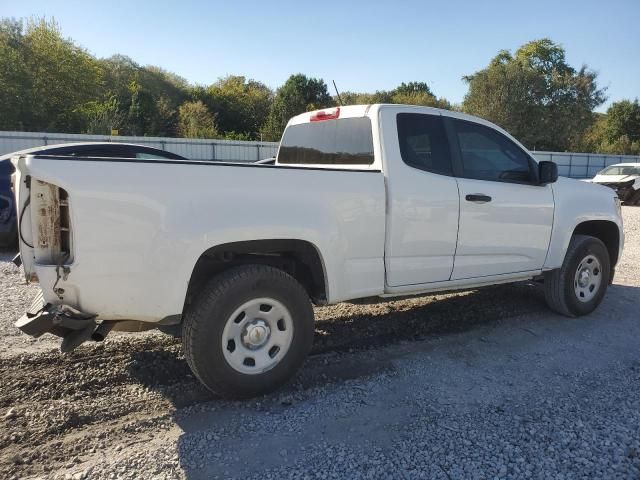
(588, 278)
(257, 335)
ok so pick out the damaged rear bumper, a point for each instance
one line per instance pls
(73, 326)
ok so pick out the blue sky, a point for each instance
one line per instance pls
(363, 45)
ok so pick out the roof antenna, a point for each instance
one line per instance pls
(337, 93)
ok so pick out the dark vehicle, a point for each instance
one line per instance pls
(8, 221)
(8, 227)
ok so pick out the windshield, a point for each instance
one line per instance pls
(621, 170)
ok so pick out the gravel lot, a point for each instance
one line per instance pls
(483, 384)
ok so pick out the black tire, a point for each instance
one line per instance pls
(560, 285)
(205, 320)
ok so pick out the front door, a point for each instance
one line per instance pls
(505, 216)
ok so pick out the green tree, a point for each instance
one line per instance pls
(195, 121)
(623, 119)
(412, 93)
(118, 73)
(15, 82)
(164, 121)
(623, 145)
(241, 105)
(417, 93)
(141, 110)
(617, 131)
(44, 78)
(298, 94)
(356, 98)
(536, 95)
(593, 137)
(100, 118)
(63, 77)
(148, 95)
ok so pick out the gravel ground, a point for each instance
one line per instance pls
(481, 384)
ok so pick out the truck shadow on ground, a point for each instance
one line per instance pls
(347, 328)
(353, 326)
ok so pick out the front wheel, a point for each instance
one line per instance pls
(579, 285)
(248, 332)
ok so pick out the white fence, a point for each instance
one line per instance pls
(576, 165)
(196, 149)
(583, 165)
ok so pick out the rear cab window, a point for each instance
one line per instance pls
(331, 143)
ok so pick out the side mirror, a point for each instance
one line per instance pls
(547, 172)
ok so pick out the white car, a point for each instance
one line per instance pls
(364, 201)
(624, 178)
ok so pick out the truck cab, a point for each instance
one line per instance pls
(466, 203)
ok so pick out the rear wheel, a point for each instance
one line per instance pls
(249, 331)
(578, 287)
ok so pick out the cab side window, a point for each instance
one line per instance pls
(423, 142)
(488, 155)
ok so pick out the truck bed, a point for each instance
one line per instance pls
(138, 227)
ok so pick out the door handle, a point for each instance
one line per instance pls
(478, 198)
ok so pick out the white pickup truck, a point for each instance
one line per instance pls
(363, 201)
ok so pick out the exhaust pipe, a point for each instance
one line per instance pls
(102, 331)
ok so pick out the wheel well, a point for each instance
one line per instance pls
(298, 258)
(607, 232)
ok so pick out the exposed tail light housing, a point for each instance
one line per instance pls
(65, 225)
(325, 115)
(51, 224)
